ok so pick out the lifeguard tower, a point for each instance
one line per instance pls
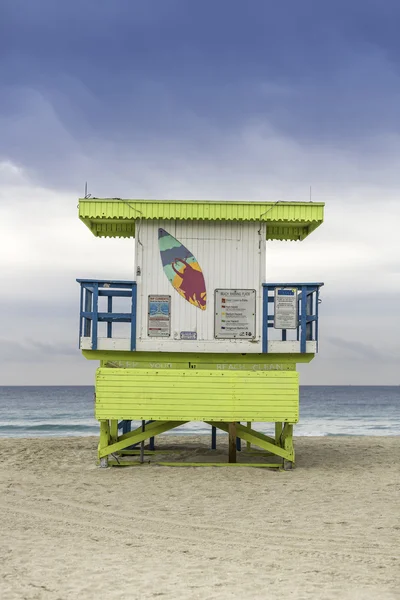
(203, 335)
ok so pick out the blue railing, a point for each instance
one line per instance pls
(307, 309)
(307, 296)
(90, 316)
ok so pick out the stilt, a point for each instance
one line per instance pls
(287, 444)
(238, 443)
(232, 442)
(142, 443)
(126, 427)
(104, 441)
(278, 433)
(213, 437)
(248, 444)
(114, 431)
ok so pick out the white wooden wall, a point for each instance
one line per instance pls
(231, 255)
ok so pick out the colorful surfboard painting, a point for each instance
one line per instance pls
(182, 270)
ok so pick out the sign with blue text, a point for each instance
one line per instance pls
(286, 308)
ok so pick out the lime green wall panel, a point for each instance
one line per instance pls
(191, 395)
(125, 359)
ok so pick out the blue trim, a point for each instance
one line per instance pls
(124, 293)
(109, 310)
(265, 320)
(87, 329)
(80, 314)
(95, 309)
(114, 317)
(308, 299)
(303, 319)
(107, 282)
(89, 315)
(316, 318)
(290, 284)
(133, 316)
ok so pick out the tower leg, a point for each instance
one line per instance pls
(213, 437)
(232, 442)
(238, 443)
(104, 441)
(248, 444)
(114, 431)
(287, 443)
(278, 433)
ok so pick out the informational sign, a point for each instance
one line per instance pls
(286, 308)
(159, 316)
(188, 335)
(235, 314)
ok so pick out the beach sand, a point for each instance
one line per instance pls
(328, 529)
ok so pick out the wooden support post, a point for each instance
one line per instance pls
(238, 443)
(278, 433)
(287, 443)
(136, 436)
(232, 442)
(104, 441)
(114, 431)
(248, 444)
(142, 444)
(258, 439)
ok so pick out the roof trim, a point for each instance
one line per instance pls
(116, 217)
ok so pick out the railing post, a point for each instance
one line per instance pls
(316, 313)
(80, 315)
(133, 317)
(303, 319)
(87, 329)
(95, 302)
(109, 310)
(265, 319)
(309, 312)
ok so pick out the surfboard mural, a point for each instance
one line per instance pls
(182, 270)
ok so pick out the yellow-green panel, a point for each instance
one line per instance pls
(192, 360)
(108, 217)
(197, 395)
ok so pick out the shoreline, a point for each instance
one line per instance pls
(328, 529)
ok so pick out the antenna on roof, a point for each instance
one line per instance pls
(86, 194)
(310, 194)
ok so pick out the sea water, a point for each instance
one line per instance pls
(324, 410)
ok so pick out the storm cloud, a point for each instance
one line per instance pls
(172, 99)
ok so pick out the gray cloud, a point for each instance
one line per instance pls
(169, 103)
(33, 351)
(360, 349)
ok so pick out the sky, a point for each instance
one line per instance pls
(254, 100)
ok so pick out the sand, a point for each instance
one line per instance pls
(328, 529)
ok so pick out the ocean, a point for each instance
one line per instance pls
(324, 410)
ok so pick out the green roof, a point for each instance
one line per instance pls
(115, 217)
